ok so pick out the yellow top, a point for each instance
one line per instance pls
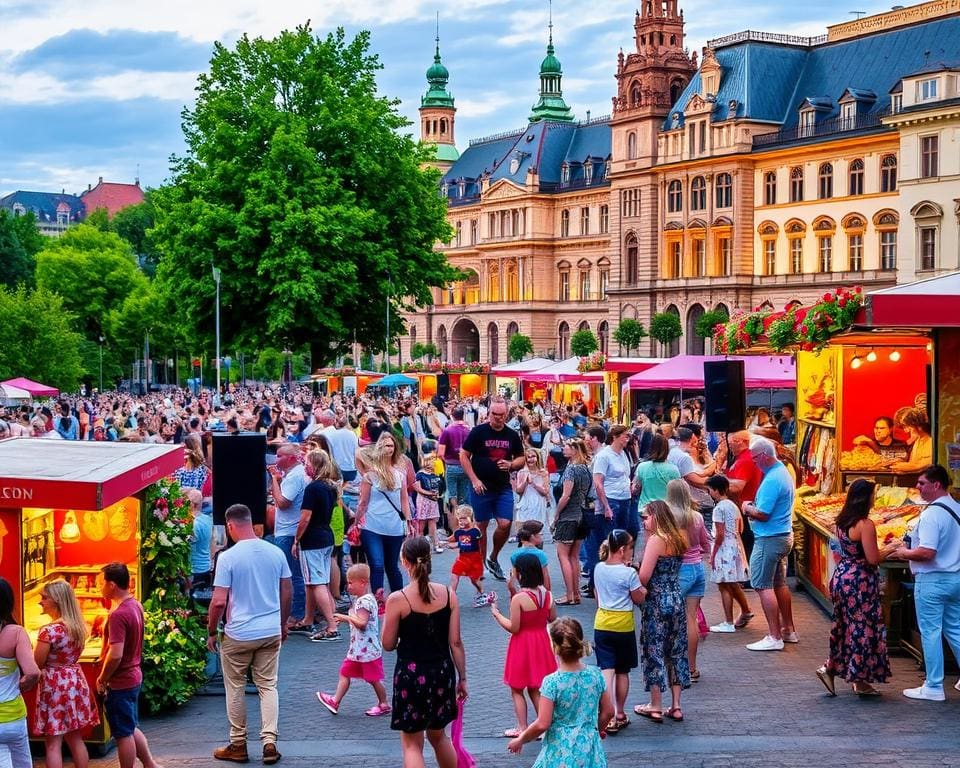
(614, 621)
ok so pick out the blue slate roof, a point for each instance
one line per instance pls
(544, 145)
(770, 80)
(44, 204)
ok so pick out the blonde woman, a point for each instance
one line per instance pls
(194, 472)
(384, 509)
(64, 704)
(568, 526)
(693, 583)
(532, 485)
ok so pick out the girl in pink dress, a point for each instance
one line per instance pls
(529, 655)
(64, 703)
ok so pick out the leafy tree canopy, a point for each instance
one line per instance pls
(665, 327)
(16, 264)
(100, 219)
(28, 234)
(133, 224)
(583, 343)
(709, 320)
(629, 334)
(93, 271)
(36, 339)
(300, 185)
(519, 347)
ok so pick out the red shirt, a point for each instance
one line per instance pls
(744, 469)
(125, 625)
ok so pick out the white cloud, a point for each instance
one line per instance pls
(38, 88)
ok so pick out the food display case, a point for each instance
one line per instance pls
(67, 509)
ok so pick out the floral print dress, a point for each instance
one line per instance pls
(572, 740)
(858, 638)
(664, 621)
(64, 702)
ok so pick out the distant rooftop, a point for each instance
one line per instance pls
(753, 36)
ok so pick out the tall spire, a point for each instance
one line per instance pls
(438, 112)
(437, 78)
(551, 105)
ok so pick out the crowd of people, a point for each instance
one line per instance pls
(365, 491)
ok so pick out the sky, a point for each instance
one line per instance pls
(97, 89)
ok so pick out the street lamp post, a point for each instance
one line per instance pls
(216, 279)
(386, 350)
(101, 338)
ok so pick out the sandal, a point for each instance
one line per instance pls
(675, 714)
(565, 601)
(645, 710)
(865, 689)
(622, 720)
(743, 620)
(511, 733)
(694, 677)
(613, 726)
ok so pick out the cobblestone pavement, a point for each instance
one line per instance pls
(749, 709)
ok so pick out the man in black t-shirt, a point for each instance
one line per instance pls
(313, 547)
(490, 453)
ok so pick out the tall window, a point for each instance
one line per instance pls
(826, 253)
(726, 255)
(856, 177)
(631, 146)
(724, 190)
(458, 237)
(855, 252)
(632, 263)
(631, 203)
(698, 194)
(604, 219)
(888, 249)
(929, 156)
(563, 345)
(675, 196)
(565, 285)
(796, 255)
(564, 223)
(796, 184)
(675, 262)
(825, 181)
(564, 174)
(807, 122)
(473, 231)
(928, 248)
(588, 172)
(584, 221)
(703, 136)
(888, 173)
(769, 257)
(699, 257)
(770, 188)
(604, 282)
(584, 284)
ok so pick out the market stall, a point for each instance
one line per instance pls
(462, 379)
(506, 378)
(11, 395)
(35, 388)
(347, 380)
(66, 509)
(617, 371)
(564, 382)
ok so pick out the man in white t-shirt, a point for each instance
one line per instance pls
(343, 444)
(252, 583)
(933, 551)
(287, 484)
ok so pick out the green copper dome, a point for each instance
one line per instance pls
(551, 105)
(437, 77)
(437, 74)
(551, 64)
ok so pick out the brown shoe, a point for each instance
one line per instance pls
(270, 754)
(235, 753)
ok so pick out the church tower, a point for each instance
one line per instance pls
(437, 113)
(650, 80)
(551, 105)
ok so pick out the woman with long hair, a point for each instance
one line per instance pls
(383, 511)
(422, 623)
(18, 672)
(64, 703)
(858, 638)
(693, 582)
(568, 526)
(663, 614)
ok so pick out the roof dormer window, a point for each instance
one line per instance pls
(927, 89)
(896, 102)
(564, 174)
(807, 121)
(18, 210)
(588, 172)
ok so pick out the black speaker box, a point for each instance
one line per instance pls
(726, 395)
(240, 474)
(443, 385)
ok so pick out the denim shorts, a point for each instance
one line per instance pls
(120, 707)
(492, 504)
(768, 561)
(693, 582)
(458, 485)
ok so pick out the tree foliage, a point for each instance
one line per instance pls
(519, 347)
(709, 320)
(36, 339)
(133, 224)
(428, 350)
(629, 334)
(28, 234)
(584, 343)
(666, 328)
(16, 264)
(300, 184)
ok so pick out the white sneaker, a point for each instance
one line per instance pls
(957, 686)
(767, 644)
(927, 694)
(790, 637)
(723, 626)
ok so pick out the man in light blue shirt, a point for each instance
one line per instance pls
(67, 425)
(771, 519)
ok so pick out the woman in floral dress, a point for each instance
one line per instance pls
(663, 614)
(858, 638)
(64, 703)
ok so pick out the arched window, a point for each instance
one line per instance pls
(443, 126)
(512, 330)
(888, 173)
(825, 181)
(854, 226)
(796, 184)
(563, 340)
(675, 196)
(584, 326)
(723, 188)
(563, 269)
(886, 223)
(442, 341)
(770, 188)
(695, 345)
(673, 348)
(698, 194)
(631, 146)
(493, 344)
(603, 336)
(796, 231)
(823, 229)
(635, 95)
(565, 223)
(856, 177)
(676, 88)
(631, 259)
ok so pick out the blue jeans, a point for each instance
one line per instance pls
(621, 514)
(285, 544)
(633, 521)
(599, 528)
(937, 598)
(458, 485)
(383, 555)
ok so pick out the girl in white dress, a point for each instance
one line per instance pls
(728, 561)
(532, 486)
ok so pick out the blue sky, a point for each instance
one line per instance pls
(98, 92)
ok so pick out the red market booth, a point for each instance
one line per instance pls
(464, 379)
(564, 383)
(617, 371)
(507, 381)
(68, 508)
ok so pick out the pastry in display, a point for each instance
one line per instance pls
(863, 459)
(95, 525)
(121, 527)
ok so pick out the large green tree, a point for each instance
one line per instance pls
(16, 264)
(519, 347)
(583, 343)
(629, 334)
(665, 327)
(28, 234)
(302, 186)
(36, 339)
(133, 224)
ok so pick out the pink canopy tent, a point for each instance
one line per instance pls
(521, 366)
(564, 371)
(686, 372)
(35, 388)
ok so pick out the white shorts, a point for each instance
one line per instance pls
(315, 566)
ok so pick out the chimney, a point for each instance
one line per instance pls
(101, 181)
(89, 187)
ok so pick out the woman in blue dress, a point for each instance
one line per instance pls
(574, 706)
